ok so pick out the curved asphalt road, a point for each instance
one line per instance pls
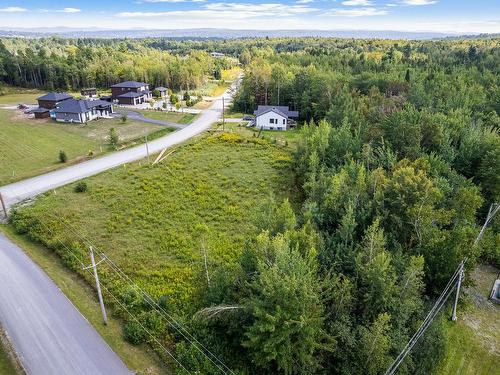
(19, 191)
(48, 333)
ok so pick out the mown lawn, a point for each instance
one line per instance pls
(177, 117)
(31, 147)
(473, 343)
(153, 221)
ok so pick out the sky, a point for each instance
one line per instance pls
(450, 16)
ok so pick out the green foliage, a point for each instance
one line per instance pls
(286, 331)
(113, 138)
(81, 187)
(63, 158)
(134, 333)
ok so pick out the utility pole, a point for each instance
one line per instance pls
(459, 284)
(3, 206)
(98, 285)
(147, 148)
(223, 115)
(491, 214)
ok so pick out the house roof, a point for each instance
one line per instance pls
(161, 88)
(281, 110)
(55, 96)
(40, 110)
(132, 94)
(130, 84)
(79, 106)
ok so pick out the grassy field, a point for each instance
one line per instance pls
(473, 342)
(15, 95)
(154, 221)
(180, 118)
(148, 219)
(31, 147)
(139, 359)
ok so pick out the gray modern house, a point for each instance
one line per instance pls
(131, 92)
(81, 111)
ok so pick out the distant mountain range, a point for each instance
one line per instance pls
(224, 33)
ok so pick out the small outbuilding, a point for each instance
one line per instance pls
(275, 117)
(41, 112)
(52, 99)
(90, 92)
(162, 91)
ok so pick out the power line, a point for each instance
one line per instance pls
(169, 318)
(459, 273)
(71, 252)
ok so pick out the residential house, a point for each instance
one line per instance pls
(81, 111)
(90, 92)
(274, 117)
(131, 93)
(52, 99)
(163, 91)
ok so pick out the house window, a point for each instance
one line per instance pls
(284, 121)
(271, 121)
(271, 128)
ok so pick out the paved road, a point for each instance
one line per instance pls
(48, 333)
(19, 191)
(133, 115)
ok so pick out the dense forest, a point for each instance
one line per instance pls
(397, 163)
(67, 64)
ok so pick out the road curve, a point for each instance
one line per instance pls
(31, 187)
(49, 334)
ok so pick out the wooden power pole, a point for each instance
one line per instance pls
(3, 206)
(97, 284)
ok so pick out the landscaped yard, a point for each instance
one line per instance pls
(177, 117)
(31, 146)
(473, 342)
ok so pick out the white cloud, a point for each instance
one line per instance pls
(357, 2)
(304, 1)
(70, 10)
(64, 10)
(357, 12)
(418, 2)
(13, 10)
(234, 10)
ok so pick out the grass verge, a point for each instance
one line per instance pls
(139, 359)
(473, 342)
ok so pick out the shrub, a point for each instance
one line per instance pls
(63, 158)
(113, 138)
(124, 117)
(134, 333)
(81, 187)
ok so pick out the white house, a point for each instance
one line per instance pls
(269, 117)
